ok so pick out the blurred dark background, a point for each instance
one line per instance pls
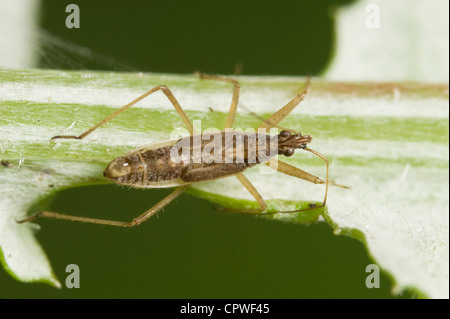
(190, 250)
(266, 37)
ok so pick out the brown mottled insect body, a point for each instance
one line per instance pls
(203, 157)
(184, 161)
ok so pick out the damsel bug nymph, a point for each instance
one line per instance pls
(202, 157)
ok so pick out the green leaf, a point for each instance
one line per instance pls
(378, 138)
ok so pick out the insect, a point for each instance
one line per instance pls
(155, 166)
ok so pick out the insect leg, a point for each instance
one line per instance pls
(293, 171)
(247, 184)
(165, 90)
(276, 117)
(234, 100)
(134, 222)
(297, 172)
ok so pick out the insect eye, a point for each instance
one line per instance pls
(285, 133)
(289, 152)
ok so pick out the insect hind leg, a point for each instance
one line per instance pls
(163, 88)
(135, 222)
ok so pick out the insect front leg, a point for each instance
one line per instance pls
(278, 116)
(297, 172)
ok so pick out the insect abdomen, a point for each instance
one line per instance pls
(196, 158)
(160, 166)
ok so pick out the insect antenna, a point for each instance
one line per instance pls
(328, 170)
